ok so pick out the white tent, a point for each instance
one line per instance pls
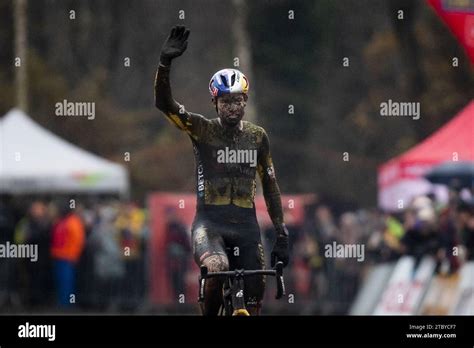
(34, 160)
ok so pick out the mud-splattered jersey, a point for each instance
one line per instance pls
(227, 160)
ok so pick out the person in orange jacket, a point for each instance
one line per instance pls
(67, 244)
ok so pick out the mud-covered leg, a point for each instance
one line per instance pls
(213, 290)
(209, 251)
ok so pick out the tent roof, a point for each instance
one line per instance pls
(35, 159)
(457, 136)
(402, 177)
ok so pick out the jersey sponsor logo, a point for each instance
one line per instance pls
(252, 301)
(214, 91)
(271, 172)
(200, 180)
(199, 173)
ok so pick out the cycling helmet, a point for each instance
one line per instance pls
(228, 81)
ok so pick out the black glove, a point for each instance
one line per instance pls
(174, 45)
(280, 250)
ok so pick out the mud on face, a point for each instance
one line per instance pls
(231, 108)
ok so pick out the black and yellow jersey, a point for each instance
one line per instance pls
(227, 160)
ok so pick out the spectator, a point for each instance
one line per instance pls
(326, 233)
(326, 229)
(66, 247)
(348, 268)
(449, 236)
(35, 229)
(108, 267)
(86, 283)
(131, 226)
(308, 250)
(7, 227)
(465, 222)
(384, 244)
(306, 256)
(178, 250)
(421, 237)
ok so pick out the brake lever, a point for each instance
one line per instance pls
(202, 283)
(279, 280)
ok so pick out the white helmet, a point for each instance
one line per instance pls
(228, 81)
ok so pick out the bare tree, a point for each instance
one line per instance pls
(242, 50)
(20, 42)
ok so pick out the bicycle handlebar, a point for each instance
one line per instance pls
(277, 273)
(242, 273)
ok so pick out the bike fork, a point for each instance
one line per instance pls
(238, 299)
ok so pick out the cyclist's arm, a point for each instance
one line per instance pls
(271, 191)
(191, 123)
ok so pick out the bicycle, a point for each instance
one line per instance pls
(233, 288)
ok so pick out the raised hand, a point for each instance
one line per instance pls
(174, 45)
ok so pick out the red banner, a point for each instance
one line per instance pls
(459, 17)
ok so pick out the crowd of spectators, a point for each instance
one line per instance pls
(90, 257)
(95, 257)
(424, 228)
